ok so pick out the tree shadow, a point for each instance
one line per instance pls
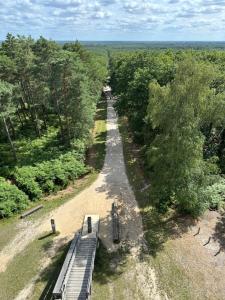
(159, 228)
(45, 236)
(107, 263)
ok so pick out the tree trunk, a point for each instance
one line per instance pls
(31, 107)
(9, 138)
(20, 119)
(44, 116)
(12, 128)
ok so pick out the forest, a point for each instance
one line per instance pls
(48, 97)
(174, 101)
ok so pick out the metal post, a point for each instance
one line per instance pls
(53, 226)
(89, 225)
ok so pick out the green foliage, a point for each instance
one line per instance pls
(179, 119)
(48, 97)
(25, 180)
(214, 194)
(53, 85)
(131, 75)
(178, 111)
(56, 174)
(49, 176)
(12, 200)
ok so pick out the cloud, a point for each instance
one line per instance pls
(58, 3)
(64, 17)
(143, 7)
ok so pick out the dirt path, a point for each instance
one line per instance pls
(111, 185)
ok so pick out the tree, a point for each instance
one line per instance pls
(7, 108)
(178, 111)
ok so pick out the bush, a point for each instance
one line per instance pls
(12, 200)
(25, 179)
(49, 176)
(73, 167)
(56, 174)
(215, 194)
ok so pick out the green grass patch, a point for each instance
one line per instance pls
(44, 285)
(96, 153)
(23, 268)
(108, 271)
(8, 230)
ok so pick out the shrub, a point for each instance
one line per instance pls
(25, 179)
(73, 167)
(215, 194)
(12, 200)
(44, 177)
(56, 174)
(49, 176)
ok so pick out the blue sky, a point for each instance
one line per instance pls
(140, 20)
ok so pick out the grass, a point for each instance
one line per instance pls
(23, 267)
(8, 231)
(159, 229)
(109, 272)
(28, 262)
(96, 153)
(48, 277)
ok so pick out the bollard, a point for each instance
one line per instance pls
(89, 225)
(53, 226)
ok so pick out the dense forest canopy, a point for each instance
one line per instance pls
(175, 104)
(48, 97)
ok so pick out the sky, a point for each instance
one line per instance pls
(115, 20)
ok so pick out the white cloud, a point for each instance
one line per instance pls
(46, 16)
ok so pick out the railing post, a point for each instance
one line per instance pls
(89, 225)
(53, 226)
